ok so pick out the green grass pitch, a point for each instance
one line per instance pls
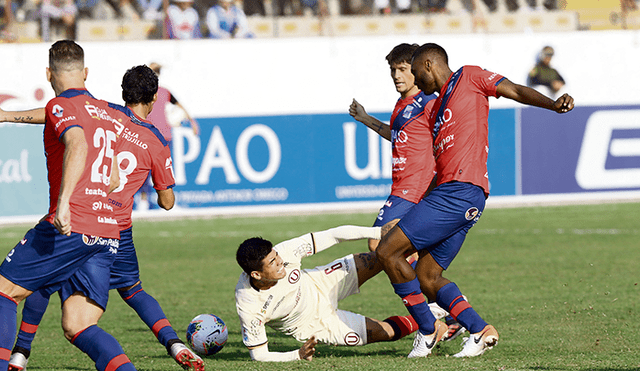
(559, 283)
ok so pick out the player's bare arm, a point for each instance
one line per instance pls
(33, 116)
(75, 156)
(114, 179)
(166, 198)
(532, 97)
(357, 111)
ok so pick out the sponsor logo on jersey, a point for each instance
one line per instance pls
(471, 213)
(57, 111)
(266, 304)
(407, 112)
(294, 276)
(107, 220)
(93, 240)
(133, 138)
(352, 339)
(98, 192)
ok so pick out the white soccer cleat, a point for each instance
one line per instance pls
(478, 343)
(186, 358)
(17, 362)
(437, 311)
(424, 344)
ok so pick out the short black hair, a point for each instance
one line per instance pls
(139, 85)
(432, 48)
(401, 53)
(66, 55)
(252, 252)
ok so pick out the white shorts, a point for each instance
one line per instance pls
(335, 281)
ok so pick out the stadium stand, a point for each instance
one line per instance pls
(576, 15)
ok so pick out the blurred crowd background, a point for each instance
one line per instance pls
(48, 20)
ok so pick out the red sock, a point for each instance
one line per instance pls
(402, 326)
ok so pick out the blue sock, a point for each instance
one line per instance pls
(150, 312)
(8, 318)
(450, 298)
(34, 307)
(103, 349)
(416, 304)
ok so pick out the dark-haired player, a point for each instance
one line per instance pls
(274, 290)
(144, 151)
(413, 166)
(80, 143)
(437, 226)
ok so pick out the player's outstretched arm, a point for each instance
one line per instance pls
(325, 239)
(306, 352)
(357, 111)
(532, 97)
(33, 116)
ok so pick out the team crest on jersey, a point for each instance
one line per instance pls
(407, 111)
(352, 339)
(471, 213)
(57, 111)
(294, 276)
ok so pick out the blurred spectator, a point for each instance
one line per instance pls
(254, 7)
(316, 7)
(515, 5)
(58, 19)
(226, 21)
(394, 6)
(543, 75)
(158, 115)
(183, 21)
(151, 9)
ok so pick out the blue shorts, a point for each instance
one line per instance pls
(125, 271)
(440, 221)
(91, 279)
(46, 258)
(394, 208)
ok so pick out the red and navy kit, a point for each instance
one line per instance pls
(460, 126)
(412, 143)
(90, 211)
(144, 149)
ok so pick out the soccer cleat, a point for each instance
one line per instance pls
(455, 329)
(17, 362)
(424, 344)
(478, 343)
(186, 358)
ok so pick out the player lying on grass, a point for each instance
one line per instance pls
(303, 303)
(149, 153)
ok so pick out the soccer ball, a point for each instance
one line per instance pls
(207, 334)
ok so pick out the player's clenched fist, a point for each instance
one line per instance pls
(563, 104)
(308, 349)
(356, 110)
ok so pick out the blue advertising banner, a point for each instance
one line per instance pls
(24, 189)
(589, 149)
(304, 159)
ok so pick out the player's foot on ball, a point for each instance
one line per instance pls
(186, 358)
(17, 362)
(424, 344)
(455, 329)
(478, 343)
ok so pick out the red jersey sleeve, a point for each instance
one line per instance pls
(162, 169)
(486, 81)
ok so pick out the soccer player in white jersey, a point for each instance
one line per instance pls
(274, 290)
